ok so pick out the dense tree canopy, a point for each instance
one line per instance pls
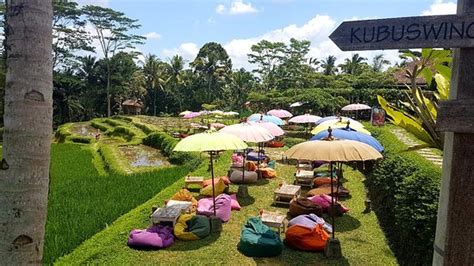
(90, 83)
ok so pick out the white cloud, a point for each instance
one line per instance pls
(220, 9)
(237, 7)
(103, 3)
(152, 36)
(315, 30)
(187, 50)
(440, 7)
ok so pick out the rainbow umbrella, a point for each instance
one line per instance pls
(274, 129)
(324, 119)
(323, 127)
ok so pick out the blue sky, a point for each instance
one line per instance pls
(182, 27)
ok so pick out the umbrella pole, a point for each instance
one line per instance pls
(212, 177)
(243, 166)
(332, 202)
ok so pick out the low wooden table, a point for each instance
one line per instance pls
(286, 193)
(196, 180)
(274, 220)
(304, 178)
(170, 213)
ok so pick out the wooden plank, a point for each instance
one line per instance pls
(456, 116)
(446, 31)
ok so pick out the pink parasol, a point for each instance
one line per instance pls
(304, 119)
(274, 129)
(280, 113)
(356, 107)
(192, 115)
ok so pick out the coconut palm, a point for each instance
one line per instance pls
(176, 66)
(156, 76)
(329, 65)
(27, 133)
(353, 65)
(378, 62)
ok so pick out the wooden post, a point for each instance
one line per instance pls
(454, 243)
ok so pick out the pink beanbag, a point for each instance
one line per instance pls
(324, 201)
(223, 207)
(234, 204)
(156, 236)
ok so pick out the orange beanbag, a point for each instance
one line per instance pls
(250, 166)
(275, 144)
(208, 182)
(319, 181)
(268, 172)
(308, 239)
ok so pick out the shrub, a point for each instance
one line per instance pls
(404, 190)
(126, 118)
(114, 122)
(63, 132)
(80, 139)
(298, 134)
(1, 133)
(165, 143)
(123, 132)
(144, 127)
(290, 142)
(100, 125)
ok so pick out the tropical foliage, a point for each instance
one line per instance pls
(418, 114)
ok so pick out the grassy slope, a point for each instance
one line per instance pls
(362, 240)
(82, 202)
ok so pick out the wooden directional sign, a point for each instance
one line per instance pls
(449, 31)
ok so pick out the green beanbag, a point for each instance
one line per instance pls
(258, 240)
(192, 227)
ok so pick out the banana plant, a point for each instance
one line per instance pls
(419, 115)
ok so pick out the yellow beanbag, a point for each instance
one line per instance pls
(219, 188)
(185, 195)
(180, 228)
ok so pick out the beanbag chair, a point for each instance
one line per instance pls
(208, 182)
(326, 189)
(249, 177)
(250, 166)
(319, 181)
(258, 240)
(219, 188)
(234, 204)
(192, 227)
(253, 156)
(156, 236)
(324, 201)
(268, 172)
(223, 207)
(304, 206)
(275, 144)
(308, 239)
(185, 195)
(310, 221)
(237, 159)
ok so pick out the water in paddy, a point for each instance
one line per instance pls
(143, 156)
(83, 129)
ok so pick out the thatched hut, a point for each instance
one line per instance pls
(132, 107)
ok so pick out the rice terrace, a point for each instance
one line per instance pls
(236, 132)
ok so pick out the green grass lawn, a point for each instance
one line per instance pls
(362, 240)
(82, 202)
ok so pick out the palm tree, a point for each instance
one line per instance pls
(24, 177)
(155, 72)
(378, 62)
(176, 64)
(353, 65)
(329, 65)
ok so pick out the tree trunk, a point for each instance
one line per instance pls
(24, 173)
(109, 111)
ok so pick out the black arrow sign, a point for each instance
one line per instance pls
(448, 31)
